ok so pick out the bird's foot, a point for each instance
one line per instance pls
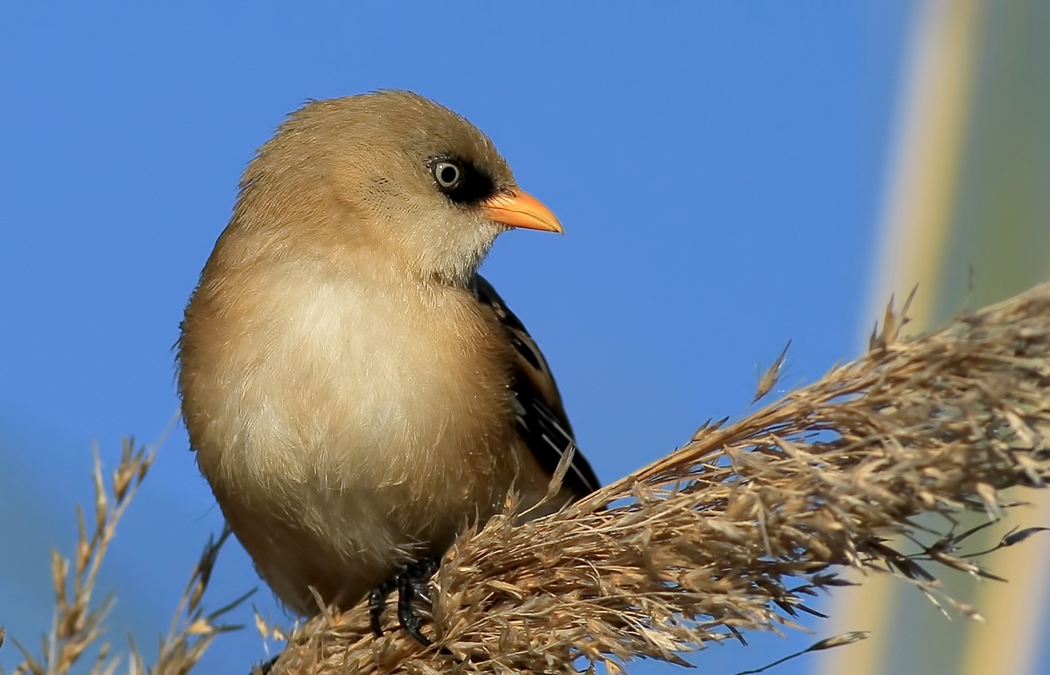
(410, 583)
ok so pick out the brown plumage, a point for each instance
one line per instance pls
(357, 395)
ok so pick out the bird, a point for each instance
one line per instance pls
(355, 392)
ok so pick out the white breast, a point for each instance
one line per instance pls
(346, 426)
(354, 378)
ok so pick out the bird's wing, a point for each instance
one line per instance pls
(541, 418)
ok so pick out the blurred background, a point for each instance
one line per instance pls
(730, 177)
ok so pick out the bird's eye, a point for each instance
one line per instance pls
(461, 181)
(448, 175)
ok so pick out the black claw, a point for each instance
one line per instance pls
(406, 591)
(411, 583)
(377, 604)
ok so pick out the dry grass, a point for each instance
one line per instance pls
(77, 626)
(739, 528)
(733, 532)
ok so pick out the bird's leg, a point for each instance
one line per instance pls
(411, 582)
(377, 603)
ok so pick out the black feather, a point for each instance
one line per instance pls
(541, 420)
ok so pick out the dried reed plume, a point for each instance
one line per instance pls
(77, 624)
(738, 528)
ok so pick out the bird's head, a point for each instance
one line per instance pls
(391, 172)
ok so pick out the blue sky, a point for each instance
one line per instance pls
(719, 170)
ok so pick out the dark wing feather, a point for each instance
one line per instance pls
(541, 419)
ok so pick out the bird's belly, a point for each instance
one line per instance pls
(345, 447)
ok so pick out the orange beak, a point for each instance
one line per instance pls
(520, 209)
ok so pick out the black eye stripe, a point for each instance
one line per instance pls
(461, 181)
